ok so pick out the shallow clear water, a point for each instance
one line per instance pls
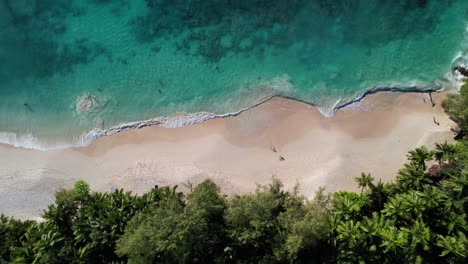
(67, 67)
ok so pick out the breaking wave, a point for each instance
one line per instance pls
(29, 141)
(451, 81)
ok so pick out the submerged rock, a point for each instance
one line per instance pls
(87, 103)
(462, 70)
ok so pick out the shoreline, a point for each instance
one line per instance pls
(187, 119)
(236, 152)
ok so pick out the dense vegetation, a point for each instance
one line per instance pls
(456, 106)
(420, 218)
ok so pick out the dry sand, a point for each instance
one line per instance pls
(236, 152)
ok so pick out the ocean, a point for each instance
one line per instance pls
(74, 70)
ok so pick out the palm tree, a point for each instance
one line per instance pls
(395, 209)
(412, 204)
(349, 232)
(393, 240)
(419, 156)
(411, 177)
(364, 181)
(347, 207)
(372, 225)
(419, 237)
(452, 245)
(445, 152)
(378, 195)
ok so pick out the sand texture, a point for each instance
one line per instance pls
(236, 152)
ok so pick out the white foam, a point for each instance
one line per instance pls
(278, 87)
(168, 122)
(28, 141)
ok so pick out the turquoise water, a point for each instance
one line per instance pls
(68, 67)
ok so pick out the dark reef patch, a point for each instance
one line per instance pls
(118, 6)
(251, 26)
(34, 48)
(203, 24)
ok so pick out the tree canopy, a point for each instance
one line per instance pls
(456, 106)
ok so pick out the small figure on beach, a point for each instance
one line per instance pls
(274, 149)
(462, 70)
(435, 121)
(281, 158)
(432, 101)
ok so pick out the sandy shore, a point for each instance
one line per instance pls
(236, 152)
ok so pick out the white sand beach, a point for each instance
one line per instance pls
(236, 152)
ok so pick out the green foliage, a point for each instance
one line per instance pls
(177, 231)
(274, 226)
(99, 223)
(253, 224)
(81, 189)
(364, 181)
(447, 153)
(411, 177)
(307, 226)
(83, 227)
(269, 226)
(11, 230)
(415, 220)
(419, 156)
(154, 236)
(453, 245)
(456, 106)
